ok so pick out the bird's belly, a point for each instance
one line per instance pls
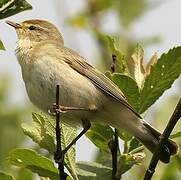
(75, 89)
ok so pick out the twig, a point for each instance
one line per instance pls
(115, 143)
(59, 157)
(164, 137)
(114, 151)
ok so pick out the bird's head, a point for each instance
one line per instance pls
(36, 31)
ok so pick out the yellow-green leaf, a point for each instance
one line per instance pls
(5, 176)
(138, 66)
(100, 135)
(151, 62)
(1, 46)
(126, 162)
(176, 135)
(120, 62)
(42, 131)
(33, 161)
(93, 171)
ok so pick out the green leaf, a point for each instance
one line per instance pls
(104, 158)
(23, 173)
(162, 75)
(125, 136)
(120, 62)
(134, 144)
(1, 46)
(33, 161)
(176, 135)
(100, 135)
(109, 75)
(129, 88)
(11, 7)
(178, 161)
(172, 170)
(5, 176)
(42, 131)
(68, 134)
(92, 170)
(126, 162)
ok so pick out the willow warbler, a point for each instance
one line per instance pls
(46, 62)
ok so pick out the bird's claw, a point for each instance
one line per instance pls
(57, 109)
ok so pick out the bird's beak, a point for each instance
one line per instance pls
(14, 24)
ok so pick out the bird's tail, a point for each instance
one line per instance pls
(151, 139)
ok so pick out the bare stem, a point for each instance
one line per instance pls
(164, 137)
(115, 143)
(59, 157)
(114, 151)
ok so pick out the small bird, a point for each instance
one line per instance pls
(86, 95)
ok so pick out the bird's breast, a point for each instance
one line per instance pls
(75, 89)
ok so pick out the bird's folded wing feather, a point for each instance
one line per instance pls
(78, 63)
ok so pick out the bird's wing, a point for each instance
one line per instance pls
(78, 63)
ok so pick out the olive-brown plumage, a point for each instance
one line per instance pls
(46, 62)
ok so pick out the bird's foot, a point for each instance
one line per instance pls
(63, 109)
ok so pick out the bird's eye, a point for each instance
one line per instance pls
(32, 28)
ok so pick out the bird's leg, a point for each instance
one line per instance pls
(86, 126)
(64, 109)
(85, 123)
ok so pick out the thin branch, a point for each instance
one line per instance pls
(114, 151)
(164, 137)
(115, 143)
(58, 156)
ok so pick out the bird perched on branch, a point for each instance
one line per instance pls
(86, 95)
